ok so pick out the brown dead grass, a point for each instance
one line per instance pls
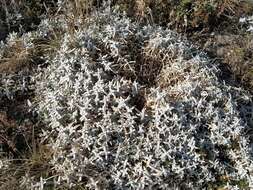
(186, 15)
(234, 52)
(15, 58)
(21, 146)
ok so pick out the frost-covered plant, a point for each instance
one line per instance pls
(20, 55)
(248, 21)
(23, 15)
(10, 84)
(109, 129)
(15, 54)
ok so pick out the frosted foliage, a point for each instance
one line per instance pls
(248, 21)
(15, 83)
(187, 134)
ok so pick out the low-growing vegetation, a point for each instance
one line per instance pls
(187, 15)
(139, 94)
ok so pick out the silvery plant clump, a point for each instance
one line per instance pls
(248, 21)
(137, 107)
(12, 83)
(17, 82)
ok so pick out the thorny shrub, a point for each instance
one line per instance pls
(109, 129)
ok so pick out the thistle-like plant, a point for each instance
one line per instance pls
(110, 129)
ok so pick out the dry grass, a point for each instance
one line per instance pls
(36, 165)
(80, 8)
(233, 49)
(21, 148)
(186, 15)
(15, 58)
(236, 52)
(18, 57)
(19, 133)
